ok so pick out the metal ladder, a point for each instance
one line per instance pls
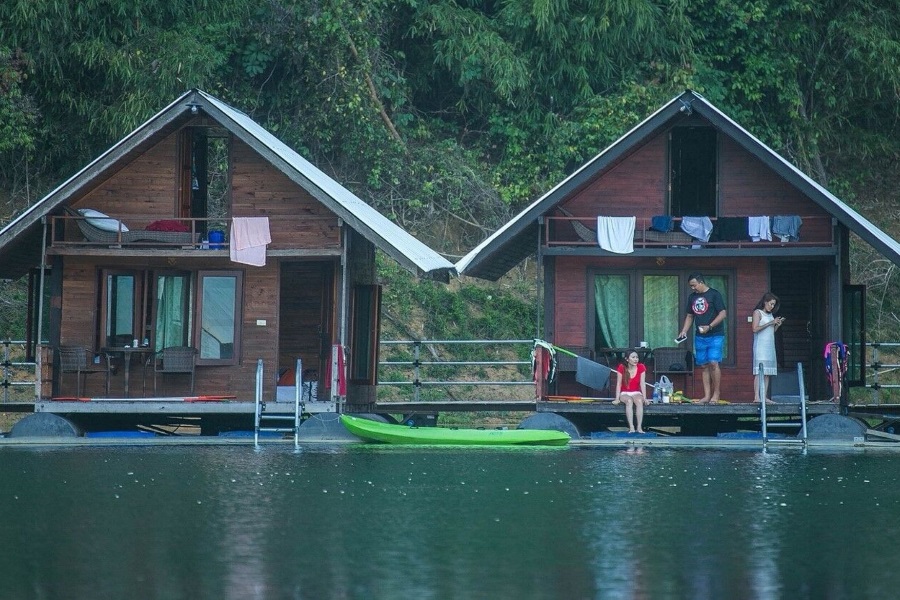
(765, 425)
(279, 422)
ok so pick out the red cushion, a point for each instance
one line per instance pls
(168, 225)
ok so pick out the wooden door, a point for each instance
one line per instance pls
(801, 288)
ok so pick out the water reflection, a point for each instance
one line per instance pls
(383, 522)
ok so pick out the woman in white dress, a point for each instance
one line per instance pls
(764, 325)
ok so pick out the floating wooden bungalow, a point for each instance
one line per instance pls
(688, 164)
(202, 231)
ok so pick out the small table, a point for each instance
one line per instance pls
(127, 353)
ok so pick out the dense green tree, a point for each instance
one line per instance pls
(97, 68)
(815, 79)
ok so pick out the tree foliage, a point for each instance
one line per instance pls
(449, 115)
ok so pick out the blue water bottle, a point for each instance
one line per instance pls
(656, 395)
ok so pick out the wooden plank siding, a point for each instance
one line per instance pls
(634, 187)
(638, 187)
(145, 190)
(141, 192)
(296, 219)
(260, 302)
(571, 319)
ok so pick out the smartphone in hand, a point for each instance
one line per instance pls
(680, 339)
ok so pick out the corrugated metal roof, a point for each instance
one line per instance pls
(371, 224)
(506, 247)
(378, 229)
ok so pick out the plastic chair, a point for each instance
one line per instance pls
(175, 359)
(78, 360)
(674, 361)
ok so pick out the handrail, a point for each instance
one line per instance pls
(822, 234)
(803, 435)
(298, 386)
(11, 369)
(419, 367)
(258, 401)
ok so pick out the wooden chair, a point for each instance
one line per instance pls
(674, 361)
(175, 359)
(78, 360)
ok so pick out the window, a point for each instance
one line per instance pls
(218, 317)
(172, 317)
(120, 307)
(693, 171)
(647, 306)
(165, 316)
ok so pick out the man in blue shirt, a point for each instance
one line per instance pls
(706, 310)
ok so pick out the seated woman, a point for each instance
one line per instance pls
(630, 385)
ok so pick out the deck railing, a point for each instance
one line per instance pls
(19, 376)
(816, 231)
(883, 371)
(490, 369)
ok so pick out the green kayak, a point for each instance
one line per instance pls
(403, 434)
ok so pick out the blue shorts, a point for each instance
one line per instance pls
(708, 349)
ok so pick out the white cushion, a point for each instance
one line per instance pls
(101, 221)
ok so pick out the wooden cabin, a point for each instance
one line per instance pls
(202, 230)
(685, 162)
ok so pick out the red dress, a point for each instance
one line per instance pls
(634, 384)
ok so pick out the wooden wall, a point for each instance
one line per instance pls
(296, 219)
(635, 186)
(143, 191)
(571, 318)
(638, 186)
(79, 324)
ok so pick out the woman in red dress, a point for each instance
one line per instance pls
(630, 386)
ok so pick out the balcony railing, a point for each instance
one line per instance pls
(293, 231)
(816, 231)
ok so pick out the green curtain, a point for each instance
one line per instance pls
(613, 313)
(171, 303)
(661, 310)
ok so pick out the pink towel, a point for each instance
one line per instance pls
(248, 239)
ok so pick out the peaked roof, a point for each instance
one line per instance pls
(20, 240)
(518, 238)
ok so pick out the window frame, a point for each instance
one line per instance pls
(676, 167)
(152, 318)
(636, 309)
(138, 308)
(202, 275)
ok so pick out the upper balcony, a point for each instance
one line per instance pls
(578, 235)
(105, 235)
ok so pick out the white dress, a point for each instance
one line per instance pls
(764, 346)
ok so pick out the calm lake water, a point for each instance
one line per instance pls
(362, 521)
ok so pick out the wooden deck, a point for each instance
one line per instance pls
(588, 416)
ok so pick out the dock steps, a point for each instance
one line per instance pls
(765, 424)
(284, 421)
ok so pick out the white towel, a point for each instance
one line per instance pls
(697, 227)
(616, 234)
(758, 228)
(248, 239)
